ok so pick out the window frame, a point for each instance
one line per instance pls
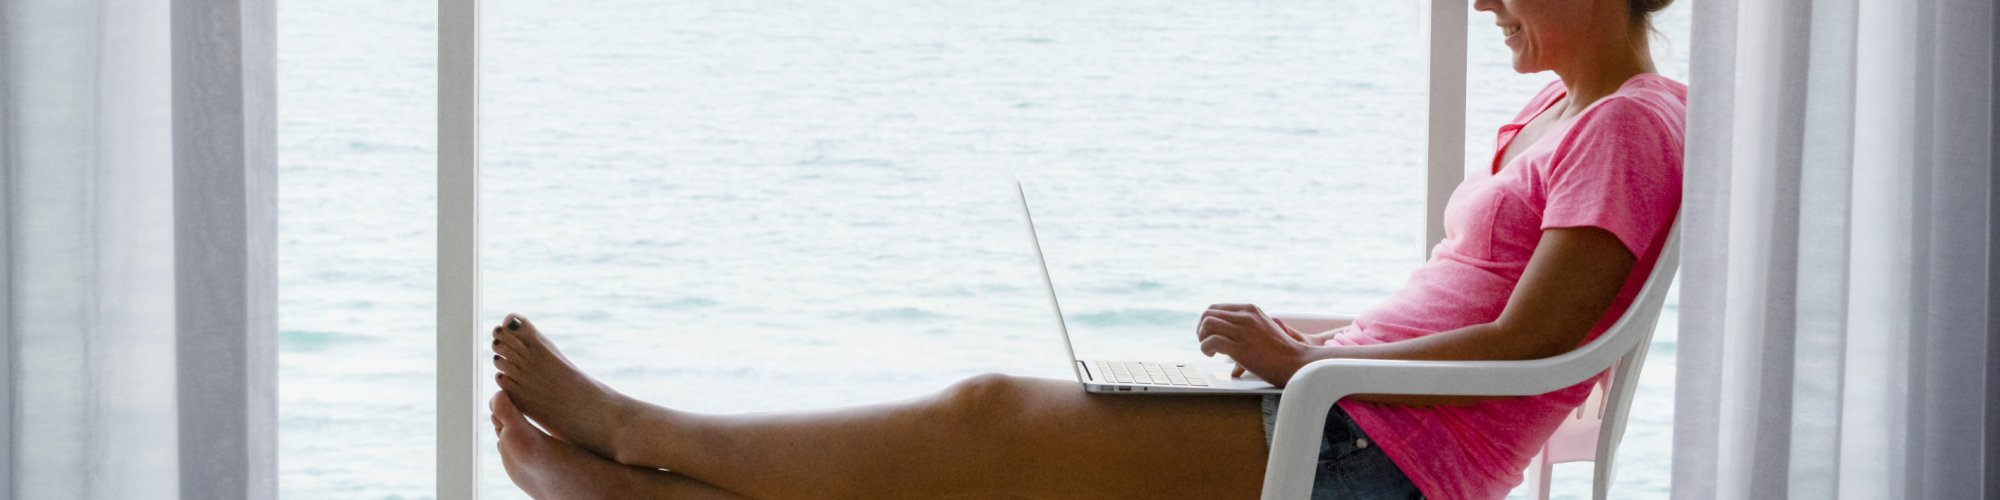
(459, 406)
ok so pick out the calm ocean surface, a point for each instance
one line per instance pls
(748, 205)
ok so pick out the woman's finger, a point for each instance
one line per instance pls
(1218, 345)
(1219, 312)
(1238, 372)
(1212, 326)
(1239, 318)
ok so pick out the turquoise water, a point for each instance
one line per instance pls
(736, 206)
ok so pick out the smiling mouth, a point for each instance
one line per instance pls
(1509, 30)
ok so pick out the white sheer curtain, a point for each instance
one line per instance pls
(90, 261)
(135, 359)
(1838, 273)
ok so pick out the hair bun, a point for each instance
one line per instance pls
(1642, 10)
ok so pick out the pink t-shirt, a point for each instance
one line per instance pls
(1616, 166)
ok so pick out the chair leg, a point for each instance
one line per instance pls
(1538, 474)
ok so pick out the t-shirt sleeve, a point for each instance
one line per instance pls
(1618, 168)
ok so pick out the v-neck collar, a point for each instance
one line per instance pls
(1512, 130)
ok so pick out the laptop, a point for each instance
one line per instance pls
(1139, 377)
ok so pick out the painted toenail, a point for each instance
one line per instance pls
(496, 357)
(496, 342)
(513, 324)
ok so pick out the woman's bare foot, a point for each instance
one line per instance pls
(549, 469)
(572, 406)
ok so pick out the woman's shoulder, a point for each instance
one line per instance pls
(1646, 94)
(1647, 104)
(1642, 126)
(1649, 83)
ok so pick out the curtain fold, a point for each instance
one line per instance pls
(90, 269)
(127, 127)
(1838, 288)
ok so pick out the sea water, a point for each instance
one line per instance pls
(752, 205)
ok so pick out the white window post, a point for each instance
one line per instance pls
(459, 407)
(1444, 38)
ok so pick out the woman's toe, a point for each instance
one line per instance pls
(515, 431)
(503, 408)
(530, 336)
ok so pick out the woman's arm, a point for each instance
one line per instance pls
(1570, 282)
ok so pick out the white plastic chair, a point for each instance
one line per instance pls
(1582, 436)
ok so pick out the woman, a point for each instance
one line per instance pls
(1542, 253)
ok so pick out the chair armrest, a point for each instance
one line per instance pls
(1311, 323)
(1314, 389)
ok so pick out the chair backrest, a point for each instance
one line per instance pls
(1594, 430)
(1625, 378)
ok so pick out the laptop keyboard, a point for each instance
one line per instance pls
(1149, 373)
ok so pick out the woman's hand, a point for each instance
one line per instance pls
(1261, 345)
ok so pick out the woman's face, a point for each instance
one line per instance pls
(1548, 34)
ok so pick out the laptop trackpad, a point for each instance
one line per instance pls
(1248, 381)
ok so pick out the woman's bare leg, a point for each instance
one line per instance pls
(549, 469)
(988, 436)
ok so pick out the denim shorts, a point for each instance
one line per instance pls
(1350, 467)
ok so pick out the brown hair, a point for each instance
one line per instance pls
(1642, 11)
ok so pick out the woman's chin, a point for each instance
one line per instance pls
(1526, 68)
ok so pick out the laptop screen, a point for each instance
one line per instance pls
(1043, 264)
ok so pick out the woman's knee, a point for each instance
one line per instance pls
(984, 400)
